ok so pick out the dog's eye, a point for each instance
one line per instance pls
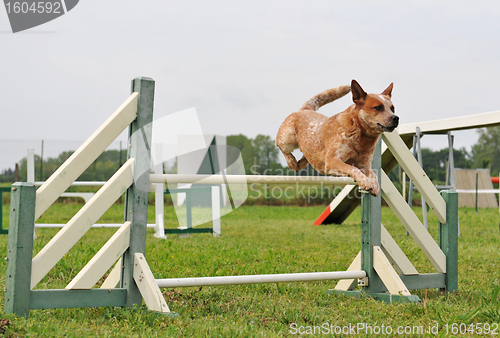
(379, 108)
(393, 109)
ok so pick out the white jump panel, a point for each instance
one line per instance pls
(257, 279)
(88, 152)
(64, 240)
(249, 179)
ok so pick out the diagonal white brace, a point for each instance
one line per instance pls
(395, 255)
(114, 276)
(387, 274)
(147, 285)
(350, 284)
(103, 259)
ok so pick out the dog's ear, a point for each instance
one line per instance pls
(388, 90)
(358, 94)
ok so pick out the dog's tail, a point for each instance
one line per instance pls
(326, 97)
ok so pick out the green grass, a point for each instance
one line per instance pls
(262, 239)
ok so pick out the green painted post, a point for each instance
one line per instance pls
(448, 240)
(2, 190)
(136, 200)
(371, 220)
(20, 249)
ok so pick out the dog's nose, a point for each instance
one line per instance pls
(395, 119)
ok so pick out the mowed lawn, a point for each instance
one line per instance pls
(265, 240)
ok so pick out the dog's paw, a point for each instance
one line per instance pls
(376, 188)
(370, 187)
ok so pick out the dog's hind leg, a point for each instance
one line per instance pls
(292, 161)
(303, 162)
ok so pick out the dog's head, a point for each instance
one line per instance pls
(375, 110)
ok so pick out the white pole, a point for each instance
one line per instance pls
(216, 211)
(256, 279)
(95, 226)
(30, 173)
(248, 179)
(159, 197)
(30, 166)
(82, 183)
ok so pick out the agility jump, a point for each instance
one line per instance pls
(131, 280)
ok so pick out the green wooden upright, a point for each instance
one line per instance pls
(20, 249)
(371, 219)
(136, 200)
(448, 240)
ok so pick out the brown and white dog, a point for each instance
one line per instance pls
(341, 145)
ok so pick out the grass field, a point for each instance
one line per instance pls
(263, 239)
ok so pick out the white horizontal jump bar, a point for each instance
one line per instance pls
(480, 191)
(97, 225)
(248, 179)
(84, 183)
(256, 279)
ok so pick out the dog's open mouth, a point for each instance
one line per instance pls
(387, 128)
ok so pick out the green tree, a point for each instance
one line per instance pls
(259, 155)
(101, 170)
(486, 152)
(266, 154)
(245, 147)
(434, 163)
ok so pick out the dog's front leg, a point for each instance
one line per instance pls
(336, 167)
(373, 177)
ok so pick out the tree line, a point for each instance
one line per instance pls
(261, 156)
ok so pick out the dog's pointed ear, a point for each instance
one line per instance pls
(388, 90)
(358, 94)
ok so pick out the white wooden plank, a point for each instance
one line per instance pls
(114, 277)
(411, 222)
(88, 152)
(395, 255)
(147, 285)
(350, 284)
(62, 242)
(248, 179)
(410, 165)
(344, 193)
(159, 194)
(103, 259)
(387, 274)
(456, 123)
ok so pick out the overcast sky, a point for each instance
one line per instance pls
(244, 66)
